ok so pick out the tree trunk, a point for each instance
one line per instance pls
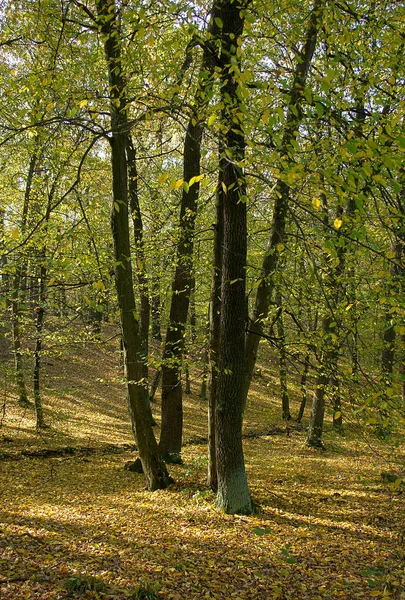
(315, 430)
(40, 314)
(285, 401)
(303, 386)
(20, 269)
(282, 193)
(215, 323)
(172, 401)
(233, 493)
(154, 469)
(155, 309)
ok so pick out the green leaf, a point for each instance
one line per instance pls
(260, 532)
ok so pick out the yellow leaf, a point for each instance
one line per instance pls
(337, 223)
(15, 234)
(196, 179)
(316, 203)
(337, 415)
(178, 184)
(211, 120)
(280, 247)
(256, 284)
(117, 206)
(163, 177)
(83, 103)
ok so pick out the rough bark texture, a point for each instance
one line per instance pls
(183, 283)
(233, 493)
(155, 471)
(172, 401)
(282, 193)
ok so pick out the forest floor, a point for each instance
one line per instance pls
(75, 524)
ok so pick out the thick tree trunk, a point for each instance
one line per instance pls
(315, 430)
(155, 471)
(282, 193)
(233, 492)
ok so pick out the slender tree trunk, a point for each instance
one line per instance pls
(154, 385)
(141, 271)
(155, 471)
(282, 192)
(20, 269)
(172, 401)
(285, 401)
(18, 356)
(315, 430)
(40, 420)
(303, 386)
(3, 259)
(402, 369)
(155, 308)
(215, 323)
(40, 314)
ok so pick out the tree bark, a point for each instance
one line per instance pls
(233, 494)
(154, 469)
(303, 386)
(285, 401)
(183, 283)
(20, 269)
(215, 323)
(172, 397)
